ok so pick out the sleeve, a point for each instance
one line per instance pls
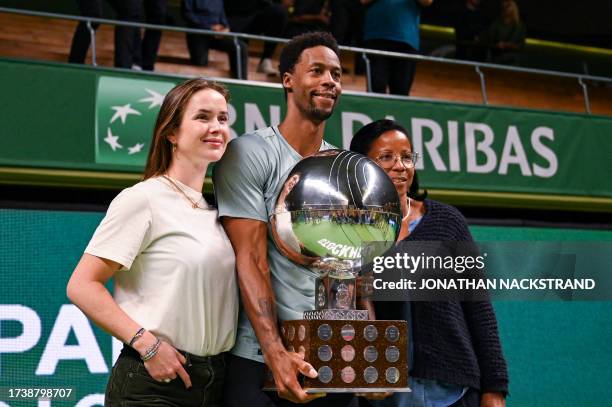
(125, 230)
(223, 19)
(481, 321)
(456, 225)
(239, 179)
(482, 324)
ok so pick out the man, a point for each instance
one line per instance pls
(247, 182)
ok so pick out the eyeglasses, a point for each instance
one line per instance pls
(388, 160)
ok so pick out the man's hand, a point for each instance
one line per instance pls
(249, 239)
(492, 400)
(219, 28)
(285, 367)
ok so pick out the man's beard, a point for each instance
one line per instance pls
(317, 115)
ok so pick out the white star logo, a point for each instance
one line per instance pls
(136, 148)
(155, 98)
(122, 112)
(113, 141)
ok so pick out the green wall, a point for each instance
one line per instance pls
(558, 352)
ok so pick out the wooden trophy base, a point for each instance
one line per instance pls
(351, 356)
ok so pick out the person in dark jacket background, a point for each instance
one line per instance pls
(210, 15)
(455, 355)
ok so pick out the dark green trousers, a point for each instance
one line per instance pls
(131, 385)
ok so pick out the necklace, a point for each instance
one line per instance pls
(193, 203)
(408, 214)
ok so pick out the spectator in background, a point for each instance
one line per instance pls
(506, 36)
(393, 25)
(258, 17)
(469, 25)
(346, 25)
(146, 50)
(210, 15)
(307, 16)
(125, 46)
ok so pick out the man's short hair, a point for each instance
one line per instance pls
(290, 55)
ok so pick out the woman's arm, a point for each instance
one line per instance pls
(87, 291)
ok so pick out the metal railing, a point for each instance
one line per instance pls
(365, 52)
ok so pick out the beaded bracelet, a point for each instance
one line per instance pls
(137, 336)
(152, 351)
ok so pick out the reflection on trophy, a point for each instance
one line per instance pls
(330, 206)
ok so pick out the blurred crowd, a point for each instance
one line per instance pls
(386, 25)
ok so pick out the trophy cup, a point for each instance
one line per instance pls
(331, 204)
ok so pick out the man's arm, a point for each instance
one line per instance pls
(249, 239)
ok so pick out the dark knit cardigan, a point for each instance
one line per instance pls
(454, 342)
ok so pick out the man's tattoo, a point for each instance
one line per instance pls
(266, 308)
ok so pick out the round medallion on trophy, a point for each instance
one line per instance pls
(325, 353)
(347, 332)
(347, 374)
(370, 374)
(392, 333)
(291, 332)
(392, 375)
(392, 354)
(324, 332)
(325, 374)
(347, 353)
(301, 332)
(370, 354)
(370, 333)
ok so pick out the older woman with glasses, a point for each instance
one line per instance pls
(455, 356)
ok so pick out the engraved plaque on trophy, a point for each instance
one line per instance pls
(330, 206)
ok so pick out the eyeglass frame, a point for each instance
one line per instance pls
(414, 158)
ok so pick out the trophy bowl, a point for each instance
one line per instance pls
(330, 207)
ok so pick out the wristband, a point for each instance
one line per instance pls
(136, 336)
(152, 351)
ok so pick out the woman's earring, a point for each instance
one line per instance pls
(173, 147)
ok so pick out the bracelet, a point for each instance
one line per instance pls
(136, 336)
(152, 351)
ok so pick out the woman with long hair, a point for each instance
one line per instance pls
(175, 298)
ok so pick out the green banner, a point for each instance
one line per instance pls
(68, 117)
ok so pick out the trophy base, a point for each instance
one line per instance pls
(350, 356)
(356, 390)
(338, 314)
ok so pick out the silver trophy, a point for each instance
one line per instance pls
(330, 207)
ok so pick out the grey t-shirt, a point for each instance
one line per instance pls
(247, 181)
